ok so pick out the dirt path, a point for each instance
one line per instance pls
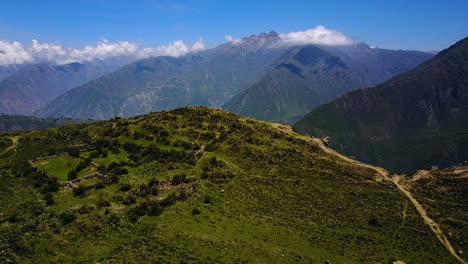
(15, 143)
(396, 181)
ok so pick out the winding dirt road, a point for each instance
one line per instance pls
(396, 181)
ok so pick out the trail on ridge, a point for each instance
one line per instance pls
(396, 181)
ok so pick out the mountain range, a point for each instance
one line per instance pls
(415, 120)
(209, 78)
(33, 86)
(19, 123)
(256, 76)
(308, 76)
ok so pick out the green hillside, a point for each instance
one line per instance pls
(198, 185)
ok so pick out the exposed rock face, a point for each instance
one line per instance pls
(412, 121)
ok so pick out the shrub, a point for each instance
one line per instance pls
(129, 200)
(154, 209)
(113, 220)
(154, 190)
(67, 217)
(131, 147)
(120, 171)
(163, 133)
(83, 164)
(179, 179)
(170, 200)
(80, 191)
(99, 185)
(85, 209)
(101, 169)
(207, 199)
(72, 175)
(52, 186)
(153, 182)
(49, 198)
(135, 213)
(103, 203)
(115, 150)
(93, 155)
(183, 196)
(211, 147)
(73, 152)
(374, 222)
(125, 187)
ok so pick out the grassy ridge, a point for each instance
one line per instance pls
(198, 185)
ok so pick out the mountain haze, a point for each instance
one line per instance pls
(19, 123)
(32, 86)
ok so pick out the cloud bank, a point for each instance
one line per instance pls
(15, 53)
(318, 35)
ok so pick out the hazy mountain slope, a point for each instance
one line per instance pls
(207, 78)
(198, 185)
(5, 71)
(413, 121)
(19, 123)
(32, 86)
(308, 76)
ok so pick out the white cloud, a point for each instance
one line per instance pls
(16, 53)
(174, 49)
(233, 40)
(13, 53)
(318, 35)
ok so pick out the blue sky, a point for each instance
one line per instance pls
(396, 24)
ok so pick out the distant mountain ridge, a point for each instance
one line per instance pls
(415, 120)
(20, 123)
(257, 76)
(32, 86)
(209, 78)
(308, 76)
